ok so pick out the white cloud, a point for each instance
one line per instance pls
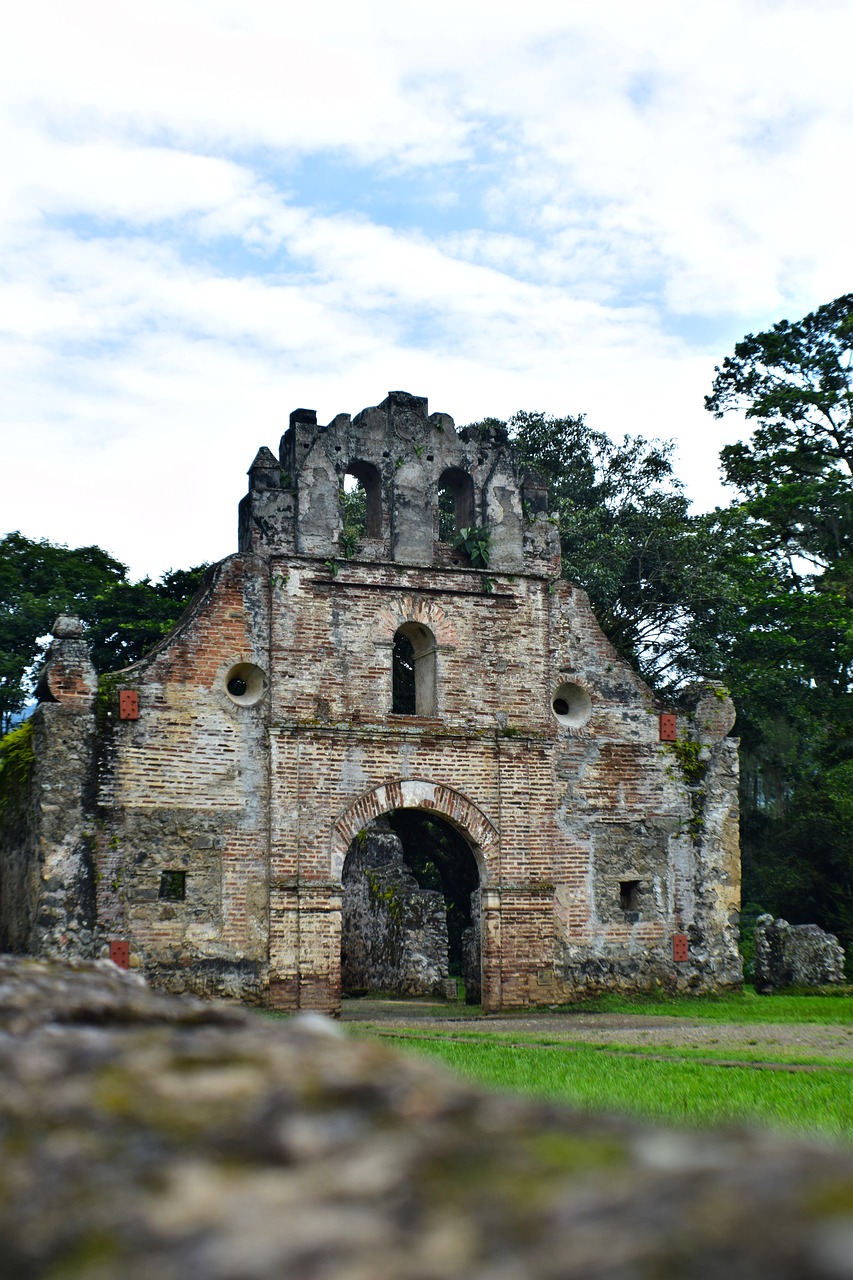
(588, 180)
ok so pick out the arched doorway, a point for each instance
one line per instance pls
(411, 909)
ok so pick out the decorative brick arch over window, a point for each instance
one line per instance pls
(414, 793)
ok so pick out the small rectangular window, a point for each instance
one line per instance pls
(629, 895)
(173, 885)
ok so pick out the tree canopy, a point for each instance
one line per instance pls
(40, 579)
(790, 658)
(652, 571)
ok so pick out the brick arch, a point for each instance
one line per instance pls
(416, 793)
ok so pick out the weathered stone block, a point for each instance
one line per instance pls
(795, 955)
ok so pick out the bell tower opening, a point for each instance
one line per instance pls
(361, 501)
(455, 503)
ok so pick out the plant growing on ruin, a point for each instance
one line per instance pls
(476, 543)
(348, 542)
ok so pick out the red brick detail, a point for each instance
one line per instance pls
(668, 727)
(120, 954)
(284, 993)
(128, 704)
(680, 949)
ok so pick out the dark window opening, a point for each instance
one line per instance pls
(403, 676)
(413, 671)
(455, 503)
(629, 895)
(173, 886)
(561, 707)
(237, 687)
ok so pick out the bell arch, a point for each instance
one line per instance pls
(364, 505)
(455, 507)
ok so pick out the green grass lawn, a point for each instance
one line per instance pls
(669, 1083)
(833, 1006)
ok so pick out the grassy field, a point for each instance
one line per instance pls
(807, 1093)
(830, 1006)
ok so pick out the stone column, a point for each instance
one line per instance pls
(62, 872)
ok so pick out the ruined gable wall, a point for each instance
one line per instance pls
(184, 788)
(249, 798)
(578, 810)
(661, 817)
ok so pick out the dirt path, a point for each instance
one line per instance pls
(641, 1032)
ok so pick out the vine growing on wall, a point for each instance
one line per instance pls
(693, 768)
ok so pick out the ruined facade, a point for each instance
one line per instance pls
(195, 811)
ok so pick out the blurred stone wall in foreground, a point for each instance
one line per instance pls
(150, 1136)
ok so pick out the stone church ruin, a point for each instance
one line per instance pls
(385, 752)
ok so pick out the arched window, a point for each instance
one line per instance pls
(361, 501)
(455, 503)
(413, 671)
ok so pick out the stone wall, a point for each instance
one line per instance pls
(394, 934)
(47, 853)
(145, 1135)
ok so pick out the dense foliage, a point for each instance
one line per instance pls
(40, 580)
(654, 574)
(790, 659)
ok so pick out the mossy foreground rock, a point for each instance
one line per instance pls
(151, 1136)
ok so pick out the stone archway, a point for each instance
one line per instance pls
(417, 793)
(403, 930)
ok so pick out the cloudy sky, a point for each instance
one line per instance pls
(215, 211)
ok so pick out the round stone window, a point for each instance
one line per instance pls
(571, 705)
(245, 684)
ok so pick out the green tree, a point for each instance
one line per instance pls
(129, 618)
(653, 572)
(40, 579)
(796, 382)
(790, 654)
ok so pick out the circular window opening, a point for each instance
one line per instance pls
(245, 684)
(571, 705)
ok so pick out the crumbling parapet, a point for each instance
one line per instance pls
(402, 455)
